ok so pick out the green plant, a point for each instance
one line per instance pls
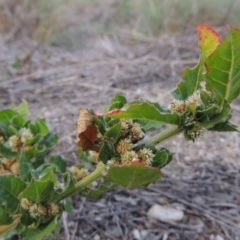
(34, 185)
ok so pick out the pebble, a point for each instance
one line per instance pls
(165, 213)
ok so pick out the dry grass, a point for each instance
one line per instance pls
(71, 22)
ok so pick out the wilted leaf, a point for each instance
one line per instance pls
(86, 131)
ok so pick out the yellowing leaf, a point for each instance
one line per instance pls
(208, 40)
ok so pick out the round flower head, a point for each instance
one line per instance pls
(77, 173)
(146, 156)
(129, 157)
(15, 143)
(196, 133)
(136, 132)
(25, 203)
(194, 99)
(123, 146)
(52, 209)
(25, 134)
(178, 106)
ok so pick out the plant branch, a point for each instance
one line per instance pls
(162, 136)
(84, 182)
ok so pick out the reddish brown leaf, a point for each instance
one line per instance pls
(86, 131)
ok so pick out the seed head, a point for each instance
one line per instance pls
(196, 133)
(15, 143)
(123, 146)
(178, 106)
(33, 210)
(136, 132)
(146, 156)
(94, 156)
(25, 203)
(77, 173)
(52, 209)
(125, 124)
(25, 134)
(129, 157)
(194, 99)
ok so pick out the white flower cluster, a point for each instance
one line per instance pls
(16, 142)
(180, 106)
(131, 132)
(37, 210)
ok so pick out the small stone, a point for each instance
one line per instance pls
(165, 213)
(96, 237)
(218, 237)
(136, 234)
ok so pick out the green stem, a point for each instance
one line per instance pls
(98, 171)
(162, 136)
(84, 182)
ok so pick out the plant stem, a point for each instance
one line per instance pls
(162, 136)
(84, 182)
(5, 228)
(98, 171)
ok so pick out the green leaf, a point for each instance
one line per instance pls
(145, 111)
(5, 217)
(38, 191)
(223, 69)
(49, 140)
(102, 189)
(5, 118)
(59, 162)
(223, 116)
(148, 125)
(42, 231)
(113, 134)
(22, 109)
(133, 176)
(192, 77)
(18, 122)
(162, 158)
(10, 187)
(42, 127)
(25, 169)
(225, 127)
(69, 185)
(48, 175)
(117, 102)
(107, 152)
(6, 151)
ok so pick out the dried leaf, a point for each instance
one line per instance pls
(86, 131)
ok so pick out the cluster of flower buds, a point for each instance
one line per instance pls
(131, 133)
(16, 142)
(78, 173)
(40, 210)
(181, 106)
